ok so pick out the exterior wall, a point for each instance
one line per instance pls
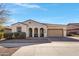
(33, 25)
(76, 31)
(65, 31)
(72, 29)
(14, 27)
(57, 30)
(7, 30)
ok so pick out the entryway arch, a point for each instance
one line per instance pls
(35, 32)
(30, 32)
(41, 32)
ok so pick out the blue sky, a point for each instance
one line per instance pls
(54, 13)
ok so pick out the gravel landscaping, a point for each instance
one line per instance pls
(7, 51)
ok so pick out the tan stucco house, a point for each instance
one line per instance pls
(73, 28)
(36, 29)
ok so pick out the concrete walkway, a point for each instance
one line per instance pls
(50, 49)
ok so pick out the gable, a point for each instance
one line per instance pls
(33, 23)
(14, 26)
(19, 24)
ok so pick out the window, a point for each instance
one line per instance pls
(18, 29)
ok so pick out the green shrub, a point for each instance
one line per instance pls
(8, 35)
(1, 35)
(23, 35)
(19, 35)
(15, 35)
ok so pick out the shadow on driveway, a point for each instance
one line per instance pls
(34, 41)
(63, 39)
(23, 42)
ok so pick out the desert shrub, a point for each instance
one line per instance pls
(19, 35)
(22, 35)
(1, 35)
(8, 35)
(15, 35)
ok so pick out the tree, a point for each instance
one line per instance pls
(4, 14)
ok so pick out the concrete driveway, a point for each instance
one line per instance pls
(50, 49)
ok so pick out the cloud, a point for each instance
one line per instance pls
(11, 21)
(13, 11)
(74, 20)
(31, 6)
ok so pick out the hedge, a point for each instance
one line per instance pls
(15, 35)
(19, 35)
(8, 35)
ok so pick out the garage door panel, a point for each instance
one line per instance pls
(55, 32)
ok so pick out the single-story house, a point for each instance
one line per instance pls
(7, 29)
(73, 28)
(36, 29)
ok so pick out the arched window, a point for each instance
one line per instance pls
(36, 32)
(30, 32)
(41, 32)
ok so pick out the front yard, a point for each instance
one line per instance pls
(40, 46)
(4, 51)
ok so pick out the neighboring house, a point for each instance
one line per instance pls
(73, 28)
(35, 29)
(7, 29)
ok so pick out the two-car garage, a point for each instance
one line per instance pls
(55, 32)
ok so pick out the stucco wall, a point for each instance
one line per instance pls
(33, 25)
(30, 24)
(14, 27)
(57, 30)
